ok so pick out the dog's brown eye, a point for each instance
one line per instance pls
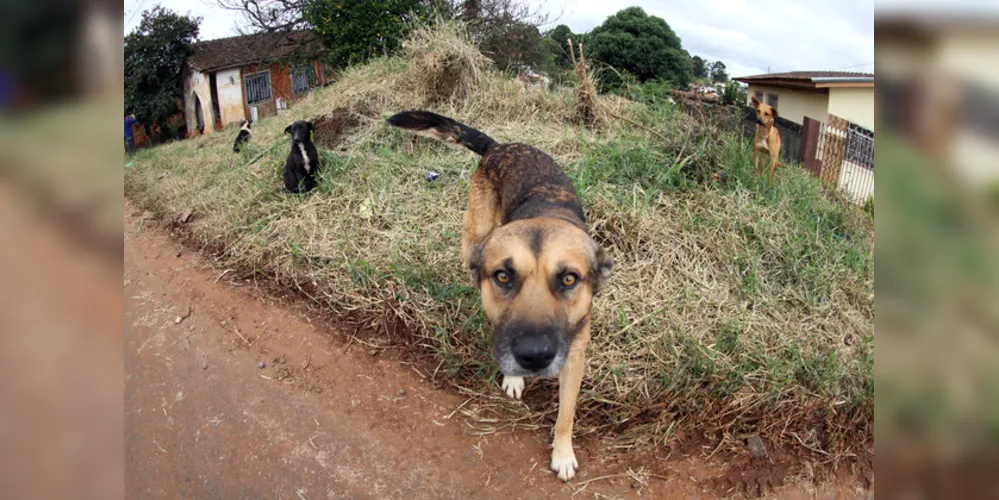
(502, 277)
(569, 280)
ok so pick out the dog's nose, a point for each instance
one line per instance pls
(534, 352)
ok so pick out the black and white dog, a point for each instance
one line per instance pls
(243, 137)
(303, 162)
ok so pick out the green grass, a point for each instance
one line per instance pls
(742, 307)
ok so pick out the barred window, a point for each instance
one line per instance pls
(981, 110)
(302, 78)
(860, 146)
(258, 87)
(772, 99)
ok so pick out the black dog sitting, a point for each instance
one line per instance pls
(243, 137)
(303, 162)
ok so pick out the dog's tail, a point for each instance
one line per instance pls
(444, 129)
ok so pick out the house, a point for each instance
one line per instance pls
(710, 90)
(816, 94)
(246, 77)
(938, 87)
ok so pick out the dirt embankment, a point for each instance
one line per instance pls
(233, 392)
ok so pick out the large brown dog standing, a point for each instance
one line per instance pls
(525, 241)
(767, 139)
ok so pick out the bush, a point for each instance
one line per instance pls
(732, 94)
(616, 82)
(653, 93)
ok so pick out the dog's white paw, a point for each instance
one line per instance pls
(513, 386)
(564, 463)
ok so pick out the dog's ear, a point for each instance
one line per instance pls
(754, 101)
(601, 271)
(774, 111)
(475, 265)
(287, 129)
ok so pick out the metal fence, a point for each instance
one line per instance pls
(839, 152)
(844, 158)
(790, 134)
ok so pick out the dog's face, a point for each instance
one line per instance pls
(537, 278)
(765, 113)
(300, 130)
(245, 125)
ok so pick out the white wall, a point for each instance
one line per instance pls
(853, 104)
(197, 82)
(795, 105)
(230, 92)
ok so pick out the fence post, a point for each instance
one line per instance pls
(809, 145)
(833, 149)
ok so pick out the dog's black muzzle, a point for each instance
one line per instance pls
(525, 349)
(759, 121)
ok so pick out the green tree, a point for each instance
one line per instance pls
(642, 44)
(561, 35)
(352, 31)
(718, 74)
(154, 58)
(733, 94)
(700, 67)
(509, 42)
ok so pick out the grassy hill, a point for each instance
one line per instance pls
(736, 307)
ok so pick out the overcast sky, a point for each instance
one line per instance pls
(750, 37)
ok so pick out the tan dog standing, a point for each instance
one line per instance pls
(525, 241)
(767, 139)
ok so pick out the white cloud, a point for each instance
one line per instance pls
(216, 22)
(749, 37)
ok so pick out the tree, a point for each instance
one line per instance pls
(154, 58)
(269, 15)
(506, 31)
(700, 67)
(642, 44)
(352, 31)
(561, 35)
(718, 74)
(733, 94)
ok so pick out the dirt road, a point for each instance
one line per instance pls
(229, 394)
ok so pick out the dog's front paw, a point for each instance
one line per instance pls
(564, 463)
(513, 386)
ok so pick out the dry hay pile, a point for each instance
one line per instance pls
(745, 309)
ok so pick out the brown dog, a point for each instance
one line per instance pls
(525, 241)
(767, 139)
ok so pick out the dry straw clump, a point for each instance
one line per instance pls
(444, 65)
(735, 309)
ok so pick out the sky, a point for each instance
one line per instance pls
(750, 37)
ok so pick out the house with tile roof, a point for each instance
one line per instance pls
(246, 78)
(816, 94)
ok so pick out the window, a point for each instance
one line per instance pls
(759, 95)
(772, 99)
(302, 78)
(258, 87)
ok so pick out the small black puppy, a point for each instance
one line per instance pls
(243, 137)
(303, 162)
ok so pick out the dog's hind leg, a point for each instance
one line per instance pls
(481, 217)
(569, 380)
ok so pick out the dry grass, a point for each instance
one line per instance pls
(736, 309)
